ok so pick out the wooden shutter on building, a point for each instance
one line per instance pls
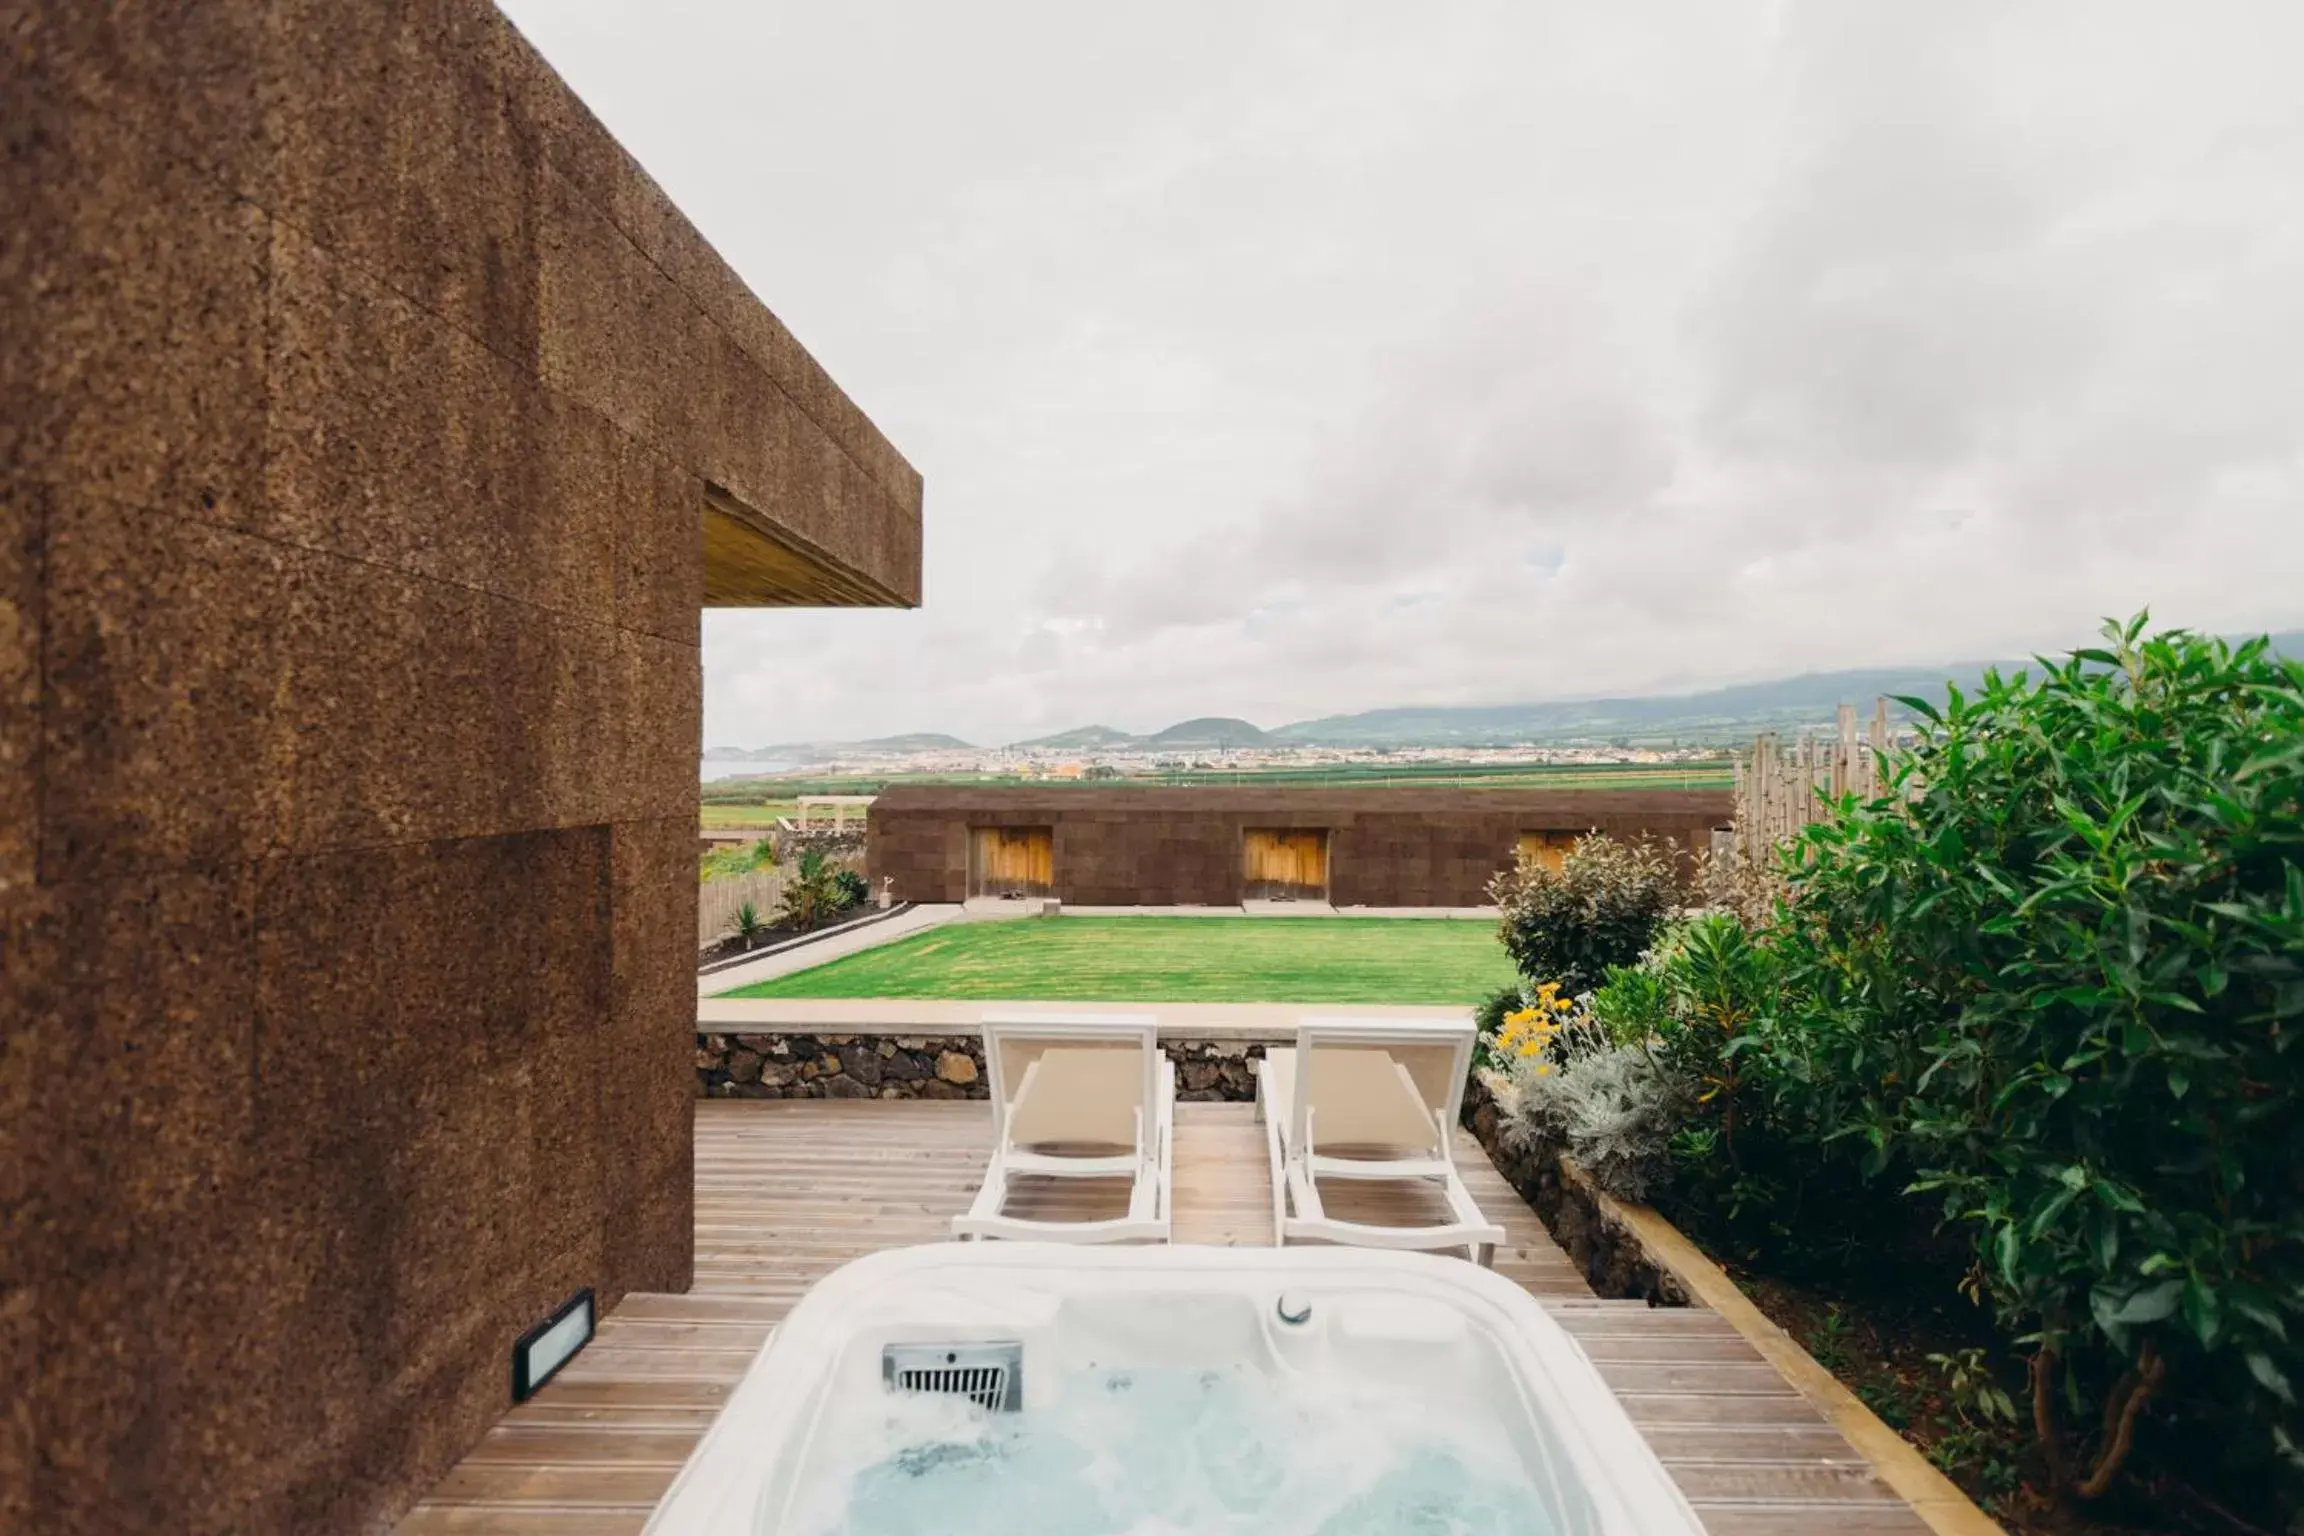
(1012, 861)
(1549, 849)
(1284, 863)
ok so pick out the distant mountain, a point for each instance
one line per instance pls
(818, 751)
(916, 741)
(1718, 714)
(1089, 736)
(1721, 715)
(1209, 731)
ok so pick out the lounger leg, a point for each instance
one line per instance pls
(1279, 1177)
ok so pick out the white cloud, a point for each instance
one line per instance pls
(1288, 358)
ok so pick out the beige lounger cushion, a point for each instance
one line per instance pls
(1080, 1096)
(1359, 1099)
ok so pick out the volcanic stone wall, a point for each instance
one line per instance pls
(362, 407)
(1408, 847)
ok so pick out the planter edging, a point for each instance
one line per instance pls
(799, 940)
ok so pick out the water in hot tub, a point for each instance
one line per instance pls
(1164, 1452)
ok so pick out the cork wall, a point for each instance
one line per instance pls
(366, 415)
(1405, 847)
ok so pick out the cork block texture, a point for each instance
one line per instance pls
(361, 407)
(1407, 847)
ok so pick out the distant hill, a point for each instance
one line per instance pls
(1718, 714)
(1721, 715)
(1086, 736)
(917, 741)
(1209, 731)
(817, 751)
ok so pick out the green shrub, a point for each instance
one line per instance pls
(1488, 1023)
(1633, 1005)
(2057, 972)
(1601, 908)
(747, 924)
(850, 889)
(742, 859)
(811, 893)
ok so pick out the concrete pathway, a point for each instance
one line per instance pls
(981, 907)
(832, 946)
(941, 1016)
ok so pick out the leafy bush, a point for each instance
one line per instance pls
(742, 859)
(1632, 1006)
(1601, 908)
(852, 889)
(747, 924)
(813, 894)
(2055, 977)
(1488, 1022)
(1749, 889)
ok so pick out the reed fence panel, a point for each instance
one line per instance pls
(1781, 789)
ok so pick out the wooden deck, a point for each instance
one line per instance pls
(788, 1191)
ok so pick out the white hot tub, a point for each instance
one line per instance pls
(1061, 1391)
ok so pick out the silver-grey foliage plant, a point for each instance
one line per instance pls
(1613, 1108)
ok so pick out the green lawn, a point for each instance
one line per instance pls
(1173, 960)
(753, 814)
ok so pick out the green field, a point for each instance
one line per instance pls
(753, 812)
(1173, 960)
(723, 794)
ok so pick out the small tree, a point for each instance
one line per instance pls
(747, 924)
(1602, 907)
(811, 894)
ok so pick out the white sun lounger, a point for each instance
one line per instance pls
(1386, 1091)
(1077, 1096)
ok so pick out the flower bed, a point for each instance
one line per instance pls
(1588, 1223)
(1988, 1086)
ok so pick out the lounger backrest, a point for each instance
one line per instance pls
(1014, 1041)
(1437, 1054)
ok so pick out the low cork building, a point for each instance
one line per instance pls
(1217, 846)
(371, 431)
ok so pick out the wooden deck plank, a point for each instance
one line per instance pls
(788, 1192)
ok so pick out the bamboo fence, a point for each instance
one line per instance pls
(1779, 790)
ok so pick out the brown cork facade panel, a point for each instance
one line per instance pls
(362, 408)
(1405, 847)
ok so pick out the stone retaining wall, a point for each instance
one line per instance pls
(1581, 1218)
(771, 1066)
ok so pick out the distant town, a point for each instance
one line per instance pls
(1131, 761)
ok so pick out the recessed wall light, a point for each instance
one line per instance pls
(551, 1344)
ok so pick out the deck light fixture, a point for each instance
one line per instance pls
(543, 1349)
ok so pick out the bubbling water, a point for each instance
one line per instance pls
(1164, 1452)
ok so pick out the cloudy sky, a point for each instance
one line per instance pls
(1286, 359)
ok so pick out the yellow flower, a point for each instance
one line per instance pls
(1543, 1069)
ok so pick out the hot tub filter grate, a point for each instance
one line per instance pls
(989, 1375)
